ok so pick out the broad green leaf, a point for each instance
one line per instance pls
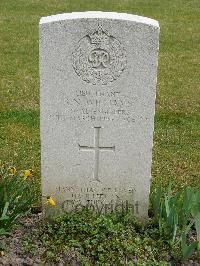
(5, 210)
(197, 225)
(187, 251)
(167, 205)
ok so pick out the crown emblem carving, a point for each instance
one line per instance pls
(99, 57)
(99, 37)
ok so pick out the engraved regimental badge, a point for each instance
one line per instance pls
(99, 58)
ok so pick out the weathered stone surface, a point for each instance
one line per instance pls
(98, 87)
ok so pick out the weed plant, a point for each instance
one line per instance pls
(98, 239)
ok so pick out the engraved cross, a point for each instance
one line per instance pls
(96, 150)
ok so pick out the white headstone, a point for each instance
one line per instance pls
(98, 88)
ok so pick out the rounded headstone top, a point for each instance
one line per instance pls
(99, 15)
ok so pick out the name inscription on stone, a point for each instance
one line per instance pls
(96, 106)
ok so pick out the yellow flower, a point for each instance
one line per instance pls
(26, 173)
(2, 164)
(50, 201)
(2, 253)
(12, 170)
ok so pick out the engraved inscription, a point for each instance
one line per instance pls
(102, 200)
(96, 150)
(97, 106)
(99, 58)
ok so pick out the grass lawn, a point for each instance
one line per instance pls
(177, 124)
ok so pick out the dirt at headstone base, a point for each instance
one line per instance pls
(15, 255)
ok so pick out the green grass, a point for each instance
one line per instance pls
(177, 124)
